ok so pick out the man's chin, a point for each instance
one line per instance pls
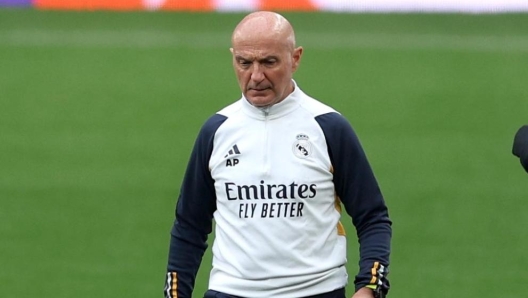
(260, 101)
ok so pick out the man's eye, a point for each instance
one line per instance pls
(270, 62)
(244, 63)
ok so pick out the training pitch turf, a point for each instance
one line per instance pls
(99, 111)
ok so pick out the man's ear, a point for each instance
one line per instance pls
(296, 57)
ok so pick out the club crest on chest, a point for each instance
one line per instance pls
(302, 147)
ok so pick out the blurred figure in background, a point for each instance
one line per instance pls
(274, 169)
(520, 146)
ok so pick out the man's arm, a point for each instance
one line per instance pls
(194, 216)
(520, 146)
(359, 192)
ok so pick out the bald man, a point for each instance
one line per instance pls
(274, 171)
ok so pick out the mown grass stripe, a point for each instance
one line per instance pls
(313, 40)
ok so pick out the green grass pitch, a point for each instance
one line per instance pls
(99, 111)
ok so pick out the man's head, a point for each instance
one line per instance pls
(265, 57)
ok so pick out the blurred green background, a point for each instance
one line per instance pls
(99, 112)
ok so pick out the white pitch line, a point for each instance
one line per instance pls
(441, 42)
(221, 40)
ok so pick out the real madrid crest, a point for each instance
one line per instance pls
(302, 147)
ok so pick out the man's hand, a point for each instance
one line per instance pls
(364, 293)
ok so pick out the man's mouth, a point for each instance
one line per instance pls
(259, 89)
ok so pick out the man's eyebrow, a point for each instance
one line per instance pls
(270, 57)
(240, 57)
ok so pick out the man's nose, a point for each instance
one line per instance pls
(257, 74)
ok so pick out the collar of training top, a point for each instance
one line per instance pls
(290, 103)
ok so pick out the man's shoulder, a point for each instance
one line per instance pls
(212, 124)
(315, 106)
(230, 109)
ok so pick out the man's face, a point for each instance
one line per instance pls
(264, 69)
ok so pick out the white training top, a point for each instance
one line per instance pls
(274, 180)
(276, 220)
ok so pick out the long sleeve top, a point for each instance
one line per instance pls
(275, 182)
